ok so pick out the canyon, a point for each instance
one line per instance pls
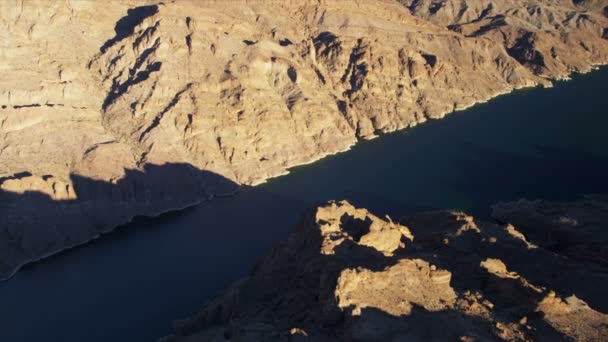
(147, 107)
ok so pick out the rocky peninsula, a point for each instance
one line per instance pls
(134, 108)
(346, 274)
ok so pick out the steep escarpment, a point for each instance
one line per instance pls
(254, 100)
(346, 274)
(244, 91)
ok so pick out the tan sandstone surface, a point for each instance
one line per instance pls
(348, 275)
(111, 110)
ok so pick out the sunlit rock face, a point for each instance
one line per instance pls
(247, 90)
(445, 276)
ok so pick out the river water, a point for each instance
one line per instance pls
(129, 285)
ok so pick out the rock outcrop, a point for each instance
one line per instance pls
(245, 90)
(348, 275)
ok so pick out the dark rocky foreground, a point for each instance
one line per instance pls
(346, 274)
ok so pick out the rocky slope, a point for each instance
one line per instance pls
(215, 94)
(348, 275)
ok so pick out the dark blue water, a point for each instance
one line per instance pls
(130, 285)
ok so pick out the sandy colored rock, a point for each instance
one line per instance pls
(407, 283)
(340, 221)
(572, 316)
(240, 92)
(497, 267)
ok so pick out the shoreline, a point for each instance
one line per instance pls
(549, 85)
(111, 230)
(551, 81)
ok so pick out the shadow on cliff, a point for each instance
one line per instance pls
(35, 225)
(125, 26)
(547, 172)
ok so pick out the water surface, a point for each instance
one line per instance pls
(130, 284)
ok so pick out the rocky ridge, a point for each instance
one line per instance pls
(348, 275)
(236, 93)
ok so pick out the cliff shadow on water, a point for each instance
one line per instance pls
(35, 224)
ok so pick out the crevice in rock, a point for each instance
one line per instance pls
(189, 35)
(495, 23)
(431, 60)
(94, 147)
(434, 7)
(17, 175)
(148, 32)
(355, 55)
(320, 75)
(34, 105)
(486, 12)
(118, 89)
(27, 106)
(189, 43)
(292, 74)
(293, 98)
(357, 71)
(357, 78)
(342, 107)
(524, 52)
(327, 48)
(463, 9)
(144, 56)
(160, 115)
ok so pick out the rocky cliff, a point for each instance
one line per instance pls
(237, 92)
(348, 275)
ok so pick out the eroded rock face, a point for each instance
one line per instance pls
(463, 279)
(245, 90)
(550, 38)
